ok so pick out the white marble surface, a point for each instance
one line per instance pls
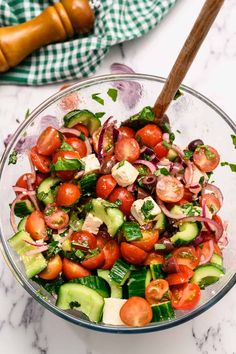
(25, 327)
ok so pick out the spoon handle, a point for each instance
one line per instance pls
(187, 54)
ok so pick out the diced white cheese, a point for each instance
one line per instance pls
(136, 210)
(124, 173)
(91, 163)
(91, 224)
(111, 311)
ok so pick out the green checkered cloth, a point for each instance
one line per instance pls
(116, 21)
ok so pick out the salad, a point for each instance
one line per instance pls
(119, 222)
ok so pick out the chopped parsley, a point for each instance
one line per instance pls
(27, 113)
(209, 154)
(162, 171)
(177, 94)
(53, 249)
(172, 137)
(188, 154)
(13, 158)
(166, 128)
(166, 144)
(147, 157)
(99, 114)
(146, 209)
(233, 139)
(190, 210)
(201, 180)
(120, 164)
(231, 165)
(66, 147)
(98, 99)
(113, 93)
(42, 196)
(49, 211)
(178, 131)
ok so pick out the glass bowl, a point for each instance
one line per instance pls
(191, 116)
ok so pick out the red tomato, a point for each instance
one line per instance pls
(132, 254)
(83, 240)
(186, 256)
(156, 290)
(187, 198)
(35, 225)
(40, 177)
(82, 128)
(42, 163)
(67, 194)
(217, 249)
(55, 217)
(218, 220)
(160, 150)
(78, 145)
(22, 180)
(150, 135)
(67, 155)
(136, 312)
(94, 262)
(206, 158)
(186, 269)
(102, 238)
(205, 250)
(112, 253)
(126, 132)
(126, 198)
(179, 278)
(127, 149)
(154, 258)
(185, 297)
(105, 186)
(72, 270)
(108, 143)
(169, 189)
(54, 268)
(48, 142)
(148, 240)
(211, 201)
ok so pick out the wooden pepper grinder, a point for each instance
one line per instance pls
(56, 23)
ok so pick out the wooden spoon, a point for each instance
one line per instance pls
(187, 55)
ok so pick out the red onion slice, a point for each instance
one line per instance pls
(223, 241)
(101, 138)
(149, 164)
(189, 176)
(131, 188)
(36, 251)
(36, 244)
(217, 227)
(167, 212)
(203, 259)
(63, 239)
(78, 134)
(214, 190)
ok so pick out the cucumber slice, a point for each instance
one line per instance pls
(156, 271)
(176, 210)
(162, 312)
(138, 282)
(34, 264)
(44, 192)
(94, 282)
(216, 259)
(172, 155)
(120, 272)
(207, 274)
(187, 233)
(23, 208)
(88, 183)
(21, 225)
(82, 298)
(84, 117)
(161, 223)
(116, 290)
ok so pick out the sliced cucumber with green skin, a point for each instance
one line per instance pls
(161, 223)
(84, 117)
(44, 192)
(138, 282)
(21, 225)
(94, 282)
(34, 264)
(162, 312)
(176, 210)
(207, 274)
(23, 208)
(81, 298)
(116, 290)
(216, 259)
(120, 272)
(156, 271)
(172, 155)
(188, 231)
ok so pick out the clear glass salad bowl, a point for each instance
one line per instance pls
(192, 116)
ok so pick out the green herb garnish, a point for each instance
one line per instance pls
(49, 211)
(187, 154)
(13, 158)
(201, 180)
(166, 144)
(233, 139)
(66, 147)
(231, 165)
(67, 165)
(53, 249)
(120, 164)
(146, 209)
(99, 114)
(98, 99)
(162, 171)
(113, 93)
(209, 154)
(177, 94)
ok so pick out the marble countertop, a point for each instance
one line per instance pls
(25, 326)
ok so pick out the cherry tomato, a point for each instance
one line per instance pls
(126, 198)
(82, 128)
(72, 270)
(108, 143)
(78, 145)
(105, 186)
(112, 253)
(67, 194)
(160, 150)
(22, 180)
(185, 297)
(102, 238)
(127, 149)
(205, 250)
(179, 278)
(154, 258)
(185, 269)
(48, 142)
(186, 256)
(206, 158)
(136, 312)
(148, 240)
(67, 155)
(169, 189)
(55, 217)
(94, 262)
(156, 290)
(211, 201)
(132, 254)
(42, 163)
(150, 135)
(54, 268)
(187, 198)
(83, 240)
(35, 225)
(126, 132)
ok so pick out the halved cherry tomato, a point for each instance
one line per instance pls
(22, 180)
(72, 270)
(185, 296)
(187, 198)
(211, 201)
(136, 312)
(127, 149)
(156, 290)
(186, 256)
(35, 225)
(206, 158)
(148, 240)
(82, 128)
(185, 269)
(48, 142)
(54, 268)
(150, 135)
(112, 253)
(217, 219)
(67, 194)
(42, 163)
(55, 217)
(169, 189)
(83, 240)
(179, 278)
(105, 186)
(126, 132)
(160, 150)
(205, 250)
(108, 143)
(67, 155)
(132, 254)
(154, 258)
(94, 262)
(78, 145)
(102, 238)
(126, 198)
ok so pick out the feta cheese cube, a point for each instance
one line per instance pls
(124, 173)
(91, 163)
(145, 210)
(111, 311)
(91, 224)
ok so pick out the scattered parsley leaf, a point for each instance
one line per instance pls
(177, 94)
(27, 113)
(53, 249)
(121, 163)
(164, 171)
(146, 210)
(209, 174)
(98, 99)
(13, 158)
(231, 165)
(172, 137)
(66, 147)
(166, 144)
(209, 154)
(166, 128)
(188, 154)
(68, 165)
(233, 139)
(49, 211)
(201, 180)
(99, 114)
(113, 93)
(178, 131)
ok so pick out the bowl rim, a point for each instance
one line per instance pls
(20, 278)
